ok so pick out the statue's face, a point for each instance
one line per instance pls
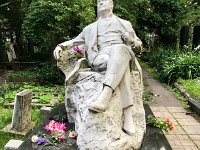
(104, 5)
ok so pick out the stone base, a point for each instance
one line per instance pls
(24, 132)
(103, 130)
(13, 145)
(44, 111)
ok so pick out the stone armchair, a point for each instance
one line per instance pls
(99, 130)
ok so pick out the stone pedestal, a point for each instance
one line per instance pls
(103, 130)
(21, 119)
(13, 145)
(45, 111)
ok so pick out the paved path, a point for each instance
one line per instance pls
(186, 135)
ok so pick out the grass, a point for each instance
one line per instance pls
(192, 87)
(149, 69)
(21, 73)
(6, 118)
(43, 98)
(8, 92)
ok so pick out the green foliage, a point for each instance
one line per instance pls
(186, 66)
(165, 17)
(8, 92)
(172, 63)
(43, 98)
(44, 74)
(61, 97)
(5, 137)
(50, 22)
(126, 9)
(191, 86)
(5, 117)
(36, 116)
(49, 75)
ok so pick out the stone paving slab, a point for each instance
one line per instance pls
(186, 135)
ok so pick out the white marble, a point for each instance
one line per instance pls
(107, 98)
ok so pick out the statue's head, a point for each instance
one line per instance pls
(104, 5)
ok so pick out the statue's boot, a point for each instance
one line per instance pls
(129, 126)
(102, 102)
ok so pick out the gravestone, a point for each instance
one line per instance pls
(184, 36)
(21, 119)
(196, 36)
(13, 145)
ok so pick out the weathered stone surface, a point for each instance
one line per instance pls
(67, 144)
(103, 130)
(13, 145)
(44, 111)
(21, 119)
(22, 110)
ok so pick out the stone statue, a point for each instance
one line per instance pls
(109, 45)
(10, 50)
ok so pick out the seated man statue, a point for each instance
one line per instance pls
(109, 45)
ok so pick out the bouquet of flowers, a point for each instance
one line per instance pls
(57, 133)
(166, 125)
(79, 52)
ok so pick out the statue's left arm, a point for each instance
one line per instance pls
(131, 38)
(68, 45)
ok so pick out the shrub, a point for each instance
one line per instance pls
(186, 66)
(172, 64)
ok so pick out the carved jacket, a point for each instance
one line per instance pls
(88, 37)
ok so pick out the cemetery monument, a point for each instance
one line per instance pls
(103, 92)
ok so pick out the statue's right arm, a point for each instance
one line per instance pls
(68, 44)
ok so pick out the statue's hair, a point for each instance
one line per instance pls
(110, 1)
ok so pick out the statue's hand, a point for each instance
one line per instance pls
(127, 38)
(57, 52)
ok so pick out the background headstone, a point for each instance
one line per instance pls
(196, 36)
(184, 36)
(21, 119)
(13, 145)
(22, 110)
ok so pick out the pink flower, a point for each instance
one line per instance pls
(168, 120)
(78, 50)
(54, 126)
(57, 129)
(50, 126)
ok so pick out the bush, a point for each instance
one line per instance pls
(186, 66)
(44, 74)
(172, 63)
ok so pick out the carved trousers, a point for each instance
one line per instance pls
(117, 62)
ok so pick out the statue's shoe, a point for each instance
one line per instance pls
(102, 102)
(129, 126)
(98, 106)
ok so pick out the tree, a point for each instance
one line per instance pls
(163, 16)
(51, 22)
(13, 12)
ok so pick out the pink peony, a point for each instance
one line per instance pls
(78, 50)
(57, 129)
